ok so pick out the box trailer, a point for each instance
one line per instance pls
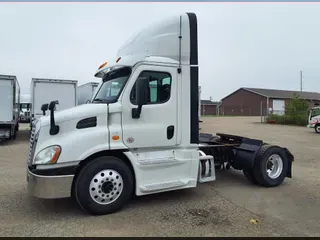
(86, 91)
(43, 91)
(10, 106)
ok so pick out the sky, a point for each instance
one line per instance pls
(262, 45)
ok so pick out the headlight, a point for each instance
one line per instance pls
(48, 155)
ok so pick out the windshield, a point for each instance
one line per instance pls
(25, 105)
(113, 83)
(315, 112)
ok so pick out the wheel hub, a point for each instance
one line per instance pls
(106, 186)
(274, 166)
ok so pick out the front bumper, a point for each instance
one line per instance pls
(311, 125)
(49, 187)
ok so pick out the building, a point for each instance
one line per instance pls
(258, 101)
(209, 108)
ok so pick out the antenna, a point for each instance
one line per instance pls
(301, 81)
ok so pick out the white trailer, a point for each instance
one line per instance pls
(9, 106)
(140, 133)
(85, 92)
(43, 91)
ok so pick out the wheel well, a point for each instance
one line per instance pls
(115, 153)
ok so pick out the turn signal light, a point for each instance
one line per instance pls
(102, 65)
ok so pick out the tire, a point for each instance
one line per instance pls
(248, 173)
(317, 128)
(262, 161)
(14, 135)
(94, 193)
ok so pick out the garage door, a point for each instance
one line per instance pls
(278, 106)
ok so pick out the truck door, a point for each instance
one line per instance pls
(157, 125)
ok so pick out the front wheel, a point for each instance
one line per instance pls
(271, 166)
(317, 128)
(103, 186)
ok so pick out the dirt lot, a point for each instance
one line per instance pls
(221, 208)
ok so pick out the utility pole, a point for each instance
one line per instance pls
(301, 81)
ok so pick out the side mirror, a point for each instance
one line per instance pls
(54, 129)
(142, 85)
(44, 108)
(52, 105)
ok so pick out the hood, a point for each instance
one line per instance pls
(81, 111)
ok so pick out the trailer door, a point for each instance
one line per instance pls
(6, 100)
(45, 92)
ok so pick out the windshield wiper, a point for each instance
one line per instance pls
(99, 100)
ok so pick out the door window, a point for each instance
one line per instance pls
(159, 87)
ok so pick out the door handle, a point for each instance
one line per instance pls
(170, 132)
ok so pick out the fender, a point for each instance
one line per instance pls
(245, 154)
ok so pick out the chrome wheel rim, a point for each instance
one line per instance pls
(274, 166)
(106, 186)
(318, 128)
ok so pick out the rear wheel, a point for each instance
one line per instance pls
(271, 166)
(103, 186)
(317, 128)
(13, 134)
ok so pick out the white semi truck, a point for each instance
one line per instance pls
(314, 119)
(43, 91)
(86, 91)
(25, 106)
(9, 107)
(135, 140)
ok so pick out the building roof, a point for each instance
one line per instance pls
(280, 94)
(275, 93)
(208, 102)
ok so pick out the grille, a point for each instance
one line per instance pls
(32, 144)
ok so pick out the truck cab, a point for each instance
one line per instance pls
(140, 132)
(314, 119)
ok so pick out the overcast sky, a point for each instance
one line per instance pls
(240, 45)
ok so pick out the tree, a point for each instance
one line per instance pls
(296, 111)
(296, 106)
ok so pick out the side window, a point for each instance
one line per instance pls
(159, 89)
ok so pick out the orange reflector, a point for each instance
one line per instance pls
(56, 155)
(118, 59)
(115, 137)
(102, 65)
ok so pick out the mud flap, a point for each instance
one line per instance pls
(290, 160)
(246, 153)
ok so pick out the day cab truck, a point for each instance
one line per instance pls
(25, 106)
(140, 132)
(9, 107)
(43, 90)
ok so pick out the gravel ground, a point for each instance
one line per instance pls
(221, 208)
